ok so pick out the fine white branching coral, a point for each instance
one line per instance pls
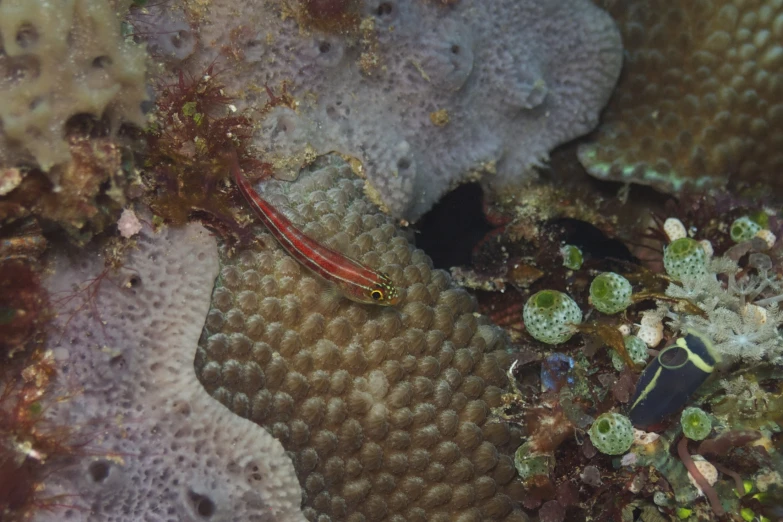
(742, 315)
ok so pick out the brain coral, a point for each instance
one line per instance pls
(700, 99)
(386, 411)
(159, 448)
(425, 95)
(59, 60)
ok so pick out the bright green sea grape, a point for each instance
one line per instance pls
(696, 424)
(550, 315)
(612, 433)
(610, 293)
(685, 258)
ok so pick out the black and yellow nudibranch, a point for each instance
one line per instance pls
(671, 378)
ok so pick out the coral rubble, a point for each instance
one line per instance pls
(157, 446)
(386, 411)
(425, 95)
(699, 101)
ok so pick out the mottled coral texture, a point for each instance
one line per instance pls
(59, 60)
(158, 447)
(385, 411)
(700, 99)
(425, 95)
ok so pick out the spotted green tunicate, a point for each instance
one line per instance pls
(530, 464)
(550, 315)
(572, 257)
(610, 293)
(744, 229)
(696, 424)
(685, 258)
(612, 433)
(637, 349)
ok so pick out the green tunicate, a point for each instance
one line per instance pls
(637, 349)
(572, 257)
(610, 293)
(744, 229)
(612, 434)
(549, 316)
(530, 465)
(685, 258)
(696, 424)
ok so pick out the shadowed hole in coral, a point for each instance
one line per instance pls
(117, 362)
(204, 506)
(455, 225)
(134, 281)
(99, 470)
(324, 47)
(181, 38)
(455, 49)
(590, 240)
(26, 36)
(384, 9)
(102, 62)
(84, 124)
(403, 163)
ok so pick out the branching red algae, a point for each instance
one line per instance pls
(185, 170)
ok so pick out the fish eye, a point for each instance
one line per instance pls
(377, 295)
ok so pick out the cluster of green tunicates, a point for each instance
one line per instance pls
(685, 258)
(572, 257)
(610, 293)
(696, 424)
(744, 229)
(550, 315)
(612, 433)
(637, 349)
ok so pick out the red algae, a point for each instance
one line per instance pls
(194, 125)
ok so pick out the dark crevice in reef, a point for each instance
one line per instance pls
(456, 224)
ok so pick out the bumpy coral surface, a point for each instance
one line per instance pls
(59, 60)
(386, 410)
(424, 95)
(158, 447)
(700, 98)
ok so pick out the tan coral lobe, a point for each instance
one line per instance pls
(386, 411)
(699, 101)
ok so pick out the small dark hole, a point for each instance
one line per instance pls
(26, 36)
(134, 281)
(204, 505)
(37, 101)
(324, 47)
(179, 38)
(99, 470)
(403, 163)
(455, 49)
(384, 9)
(101, 62)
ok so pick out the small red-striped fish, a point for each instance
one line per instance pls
(355, 281)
